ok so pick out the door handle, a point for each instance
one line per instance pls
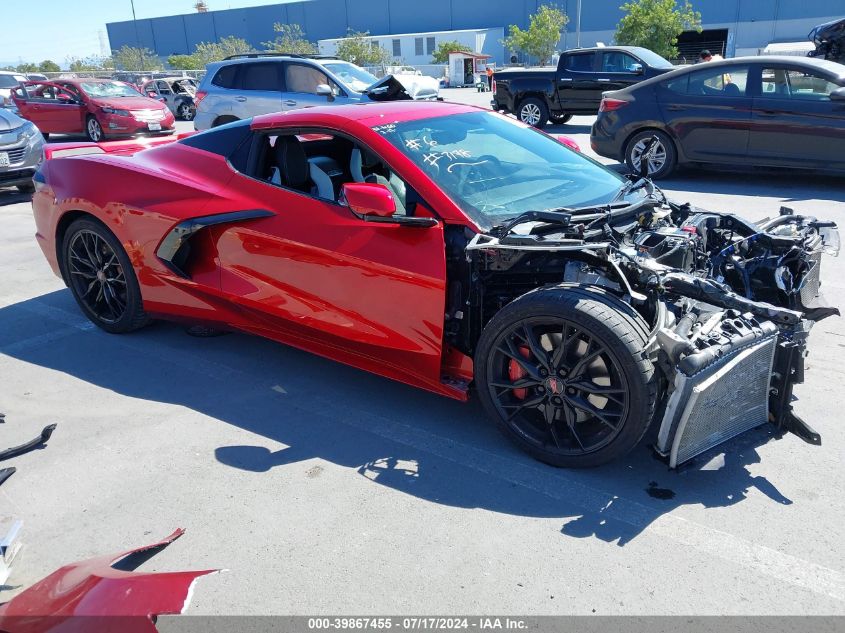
(676, 108)
(241, 99)
(600, 79)
(290, 102)
(566, 79)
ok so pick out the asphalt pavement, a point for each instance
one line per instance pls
(326, 490)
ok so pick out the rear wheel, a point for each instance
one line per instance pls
(185, 111)
(101, 277)
(93, 130)
(533, 112)
(560, 119)
(663, 160)
(563, 374)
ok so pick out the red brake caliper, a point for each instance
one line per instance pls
(515, 372)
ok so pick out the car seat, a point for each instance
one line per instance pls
(362, 161)
(731, 90)
(294, 171)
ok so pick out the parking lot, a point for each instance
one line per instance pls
(323, 489)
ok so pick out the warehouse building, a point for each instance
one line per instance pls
(733, 27)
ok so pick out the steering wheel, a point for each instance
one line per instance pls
(468, 172)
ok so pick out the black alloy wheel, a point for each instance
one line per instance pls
(101, 278)
(569, 385)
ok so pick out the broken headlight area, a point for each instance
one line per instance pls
(729, 302)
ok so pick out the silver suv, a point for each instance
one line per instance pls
(21, 145)
(243, 86)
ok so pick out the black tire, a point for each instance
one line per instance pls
(559, 119)
(533, 111)
(185, 111)
(91, 240)
(223, 120)
(611, 337)
(666, 158)
(93, 129)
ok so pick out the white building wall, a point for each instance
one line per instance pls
(487, 41)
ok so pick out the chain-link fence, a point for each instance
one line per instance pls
(132, 76)
(431, 70)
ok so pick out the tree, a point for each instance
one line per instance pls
(441, 53)
(27, 67)
(184, 62)
(207, 52)
(358, 49)
(656, 24)
(291, 39)
(542, 35)
(76, 64)
(49, 66)
(132, 58)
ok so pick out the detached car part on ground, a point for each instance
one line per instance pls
(446, 246)
(102, 594)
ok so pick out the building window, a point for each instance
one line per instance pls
(418, 46)
(429, 45)
(397, 48)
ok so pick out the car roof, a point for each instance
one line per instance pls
(369, 114)
(590, 49)
(831, 68)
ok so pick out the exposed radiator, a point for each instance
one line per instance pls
(727, 397)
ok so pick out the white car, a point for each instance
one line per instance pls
(9, 81)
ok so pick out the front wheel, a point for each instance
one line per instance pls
(101, 277)
(560, 119)
(562, 372)
(533, 112)
(93, 130)
(663, 159)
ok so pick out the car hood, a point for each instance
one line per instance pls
(129, 103)
(9, 120)
(403, 87)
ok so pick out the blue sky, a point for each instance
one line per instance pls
(36, 30)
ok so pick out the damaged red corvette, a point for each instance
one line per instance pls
(450, 247)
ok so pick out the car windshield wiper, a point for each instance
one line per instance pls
(556, 216)
(631, 186)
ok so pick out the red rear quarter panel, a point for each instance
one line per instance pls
(139, 198)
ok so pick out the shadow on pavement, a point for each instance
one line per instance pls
(419, 443)
(11, 195)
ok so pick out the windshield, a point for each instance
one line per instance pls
(353, 76)
(107, 89)
(652, 59)
(495, 168)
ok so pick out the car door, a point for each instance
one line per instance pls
(578, 89)
(708, 111)
(257, 89)
(336, 283)
(618, 70)
(164, 90)
(52, 107)
(794, 121)
(301, 82)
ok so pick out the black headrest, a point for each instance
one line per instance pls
(732, 89)
(291, 161)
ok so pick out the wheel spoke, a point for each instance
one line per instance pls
(520, 383)
(571, 420)
(530, 402)
(83, 274)
(598, 390)
(600, 414)
(527, 334)
(514, 354)
(587, 358)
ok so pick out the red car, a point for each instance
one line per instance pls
(99, 108)
(448, 247)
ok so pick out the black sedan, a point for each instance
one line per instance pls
(756, 111)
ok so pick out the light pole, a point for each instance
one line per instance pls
(578, 25)
(138, 37)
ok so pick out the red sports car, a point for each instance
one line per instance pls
(99, 108)
(450, 247)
